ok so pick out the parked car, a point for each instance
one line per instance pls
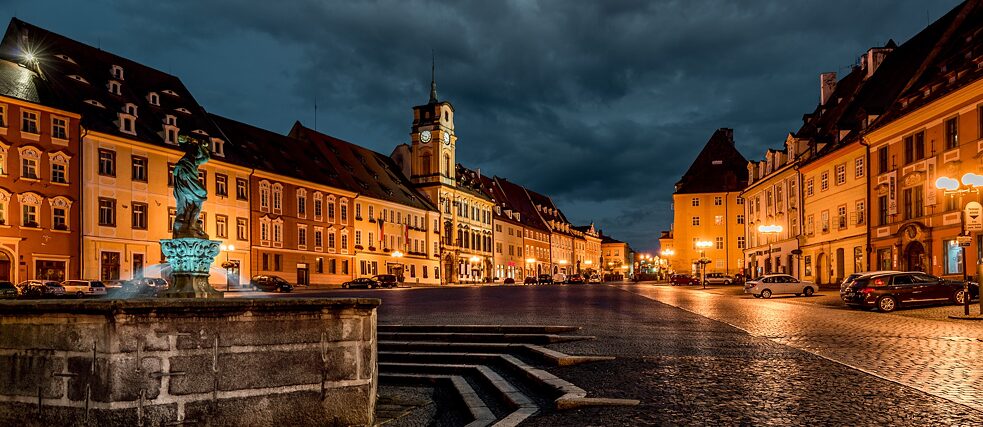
(143, 286)
(362, 282)
(40, 289)
(8, 290)
(559, 278)
(770, 284)
(386, 280)
(270, 283)
(575, 279)
(719, 279)
(594, 278)
(508, 281)
(81, 288)
(545, 279)
(848, 280)
(683, 279)
(529, 280)
(888, 291)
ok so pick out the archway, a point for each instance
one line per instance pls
(914, 255)
(5, 265)
(820, 268)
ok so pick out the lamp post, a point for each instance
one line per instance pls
(704, 245)
(529, 264)
(228, 270)
(396, 254)
(769, 230)
(969, 182)
(666, 254)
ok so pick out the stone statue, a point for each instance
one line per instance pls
(188, 191)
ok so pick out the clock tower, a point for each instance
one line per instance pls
(434, 142)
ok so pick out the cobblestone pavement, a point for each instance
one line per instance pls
(939, 356)
(689, 369)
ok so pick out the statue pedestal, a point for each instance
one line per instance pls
(190, 260)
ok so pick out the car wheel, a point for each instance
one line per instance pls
(344, 286)
(371, 286)
(766, 293)
(887, 304)
(959, 297)
(808, 292)
(79, 294)
(726, 282)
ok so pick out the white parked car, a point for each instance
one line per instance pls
(719, 279)
(771, 284)
(81, 288)
(559, 278)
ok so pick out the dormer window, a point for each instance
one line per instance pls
(170, 120)
(127, 124)
(218, 147)
(94, 103)
(78, 78)
(65, 58)
(182, 110)
(117, 72)
(200, 132)
(131, 109)
(114, 87)
(153, 98)
(170, 135)
(170, 92)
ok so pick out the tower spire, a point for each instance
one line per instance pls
(433, 78)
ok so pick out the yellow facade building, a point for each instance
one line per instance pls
(706, 205)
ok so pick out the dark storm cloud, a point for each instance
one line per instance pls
(601, 105)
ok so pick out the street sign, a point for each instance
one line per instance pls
(974, 216)
(965, 241)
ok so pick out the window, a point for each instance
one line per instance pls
(170, 174)
(302, 236)
(107, 162)
(861, 212)
(840, 174)
(154, 99)
(824, 181)
(809, 187)
(277, 197)
(59, 218)
(740, 200)
(3, 116)
(858, 259)
(277, 262)
(344, 240)
(29, 122)
(718, 220)
(59, 128)
(301, 204)
(807, 261)
(858, 167)
(107, 212)
(719, 242)
(138, 216)
(358, 237)
(841, 217)
(171, 214)
(29, 163)
(29, 216)
(882, 159)
(203, 178)
(318, 239)
(278, 232)
(242, 229)
(221, 185)
(696, 201)
(264, 195)
(824, 221)
(740, 218)
(953, 257)
(222, 226)
(242, 189)
(952, 133)
(266, 262)
(696, 220)
(344, 211)
(138, 168)
(317, 207)
(331, 240)
(741, 242)
(718, 201)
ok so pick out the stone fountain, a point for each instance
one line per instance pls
(189, 251)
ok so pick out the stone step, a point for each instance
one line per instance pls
(521, 405)
(505, 329)
(481, 337)
(481, 415)
(535, 352)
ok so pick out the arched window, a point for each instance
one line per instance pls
(30, 203)
(277, 197)
(264, 195)
(60, 207)
(447, 165)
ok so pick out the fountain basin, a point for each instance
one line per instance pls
(287, 361)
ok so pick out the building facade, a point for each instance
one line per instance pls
(772, 199)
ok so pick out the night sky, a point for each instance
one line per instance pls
(601, 105)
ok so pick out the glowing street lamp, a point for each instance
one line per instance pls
(970, 182)
(228, 269)
(703, 245)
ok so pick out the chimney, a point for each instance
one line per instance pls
(874, 57)
(827, 84)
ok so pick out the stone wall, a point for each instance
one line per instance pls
(215, 362)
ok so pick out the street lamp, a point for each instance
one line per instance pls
(228, 270)
(704, 245)
(768, 230)
(970, 182)
(529, 263)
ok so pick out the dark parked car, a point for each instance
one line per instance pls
(508, 281)
(545, 279)
(142, 287)
(7, 290)
(386, 280)
(40, 289)
(530, 280)
(271, 283)
(362, 282)
(575, 279)
(888, 291)
(683, 279)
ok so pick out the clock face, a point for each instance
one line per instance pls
(425, 136)
(447, 139)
